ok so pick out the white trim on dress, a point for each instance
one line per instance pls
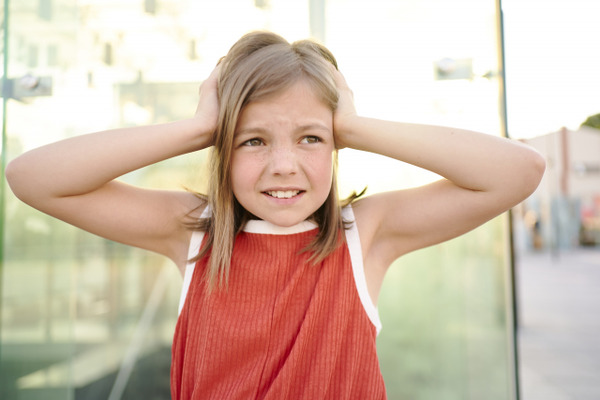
(358, 269)
(195, 243)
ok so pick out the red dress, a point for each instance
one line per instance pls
(283, 328)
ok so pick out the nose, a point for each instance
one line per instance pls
(283, 161)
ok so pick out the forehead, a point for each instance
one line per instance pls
(300, 102)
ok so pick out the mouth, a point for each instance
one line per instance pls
(283, 194)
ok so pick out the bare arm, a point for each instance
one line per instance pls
(75, 179)
(484, 176)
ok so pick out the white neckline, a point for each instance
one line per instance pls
(265, 227)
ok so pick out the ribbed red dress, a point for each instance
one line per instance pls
(282, 329)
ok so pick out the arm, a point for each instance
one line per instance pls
(74, 179)
(484, 176)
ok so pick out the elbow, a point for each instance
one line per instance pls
(533, 171)
(11, 174)
(16, 178)
(540, 166)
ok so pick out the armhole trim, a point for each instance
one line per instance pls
(358, 269)
(195, 243)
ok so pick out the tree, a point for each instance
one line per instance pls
(592, 121)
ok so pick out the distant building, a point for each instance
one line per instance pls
(565, 209)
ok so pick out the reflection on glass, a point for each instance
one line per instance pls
(85, 318)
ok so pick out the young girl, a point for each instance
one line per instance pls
(281, 278)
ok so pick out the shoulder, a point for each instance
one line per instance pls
(368, 212)
(365, 214)
(187, 209)
(378, 219)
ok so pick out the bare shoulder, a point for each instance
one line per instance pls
(186, 209)
(387, 225)
(371, 213)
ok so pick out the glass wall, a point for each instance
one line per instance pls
(85, 318)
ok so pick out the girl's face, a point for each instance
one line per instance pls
(282, 161)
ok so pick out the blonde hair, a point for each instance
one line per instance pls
(259, 65)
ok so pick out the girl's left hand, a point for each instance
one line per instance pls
(345, 113)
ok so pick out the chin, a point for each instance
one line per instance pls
(286, 221)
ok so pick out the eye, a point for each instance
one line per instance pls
(310, 139)
(253, 142)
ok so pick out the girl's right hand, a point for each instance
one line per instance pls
(207, 111)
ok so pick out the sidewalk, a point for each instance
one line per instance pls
(559, 331)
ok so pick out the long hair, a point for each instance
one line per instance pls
(259, 65)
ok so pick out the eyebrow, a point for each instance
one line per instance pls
(309, 127)
(301, 128)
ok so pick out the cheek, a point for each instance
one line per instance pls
(247, 173)
(242, 172)
(321, 171)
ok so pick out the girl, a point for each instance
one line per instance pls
(281, 278)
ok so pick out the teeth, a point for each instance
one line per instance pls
(280, 194)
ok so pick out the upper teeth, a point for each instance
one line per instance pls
(280, 194)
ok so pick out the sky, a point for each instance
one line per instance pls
(551, 57)
(552, 54)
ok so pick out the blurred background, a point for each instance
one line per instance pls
(495, 314)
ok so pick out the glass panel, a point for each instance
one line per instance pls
(86, 318)
(446, 310)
